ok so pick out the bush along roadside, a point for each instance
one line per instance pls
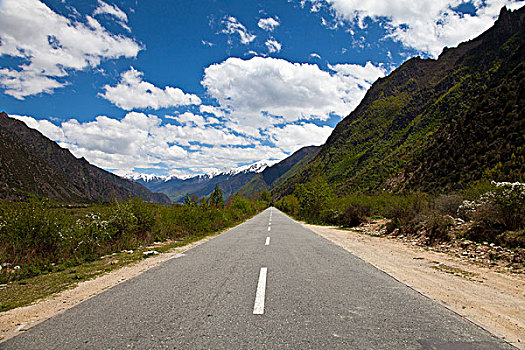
(38, 237)
(487, 215)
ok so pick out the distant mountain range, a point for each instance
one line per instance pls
(31, 164)
(229, 181)
(277, 174)
(248, 180)
(434, 124)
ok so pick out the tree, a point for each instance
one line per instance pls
(265, 196)
(190, 200)
(289, 204)
(204, 202)
(216, 199)
(313, 197)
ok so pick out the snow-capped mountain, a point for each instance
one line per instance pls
(229, 180)
(256, 167)
(145, 177)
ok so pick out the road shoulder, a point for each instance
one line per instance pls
(493, 300)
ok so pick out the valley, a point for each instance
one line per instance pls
(252, 213)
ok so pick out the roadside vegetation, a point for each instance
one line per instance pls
(40, 238)
(486, 212)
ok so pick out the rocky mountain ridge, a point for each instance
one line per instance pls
(434, 124)
(33, 165)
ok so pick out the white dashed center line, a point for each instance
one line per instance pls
(267, 241)
(269, 228)
(258, 306)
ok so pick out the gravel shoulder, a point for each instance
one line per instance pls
(491, 299)
(18, 320)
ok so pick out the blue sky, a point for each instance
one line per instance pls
(184, 87)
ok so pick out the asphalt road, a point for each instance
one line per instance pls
(243, 290)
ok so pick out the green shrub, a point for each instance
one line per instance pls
(495, 212)
(216, 198)
(477, 189)
(39, 237)
(313, 198)
(144, 213)
(504, 206)
(29, 225)
(354, 215)
(437, 228)
(448, 204)
(288, 204)
(241, 204)
(265, 196)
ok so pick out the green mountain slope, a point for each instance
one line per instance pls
(425, 126)
(252, 188)
(296, 168)
(277, 174)
(31, 164)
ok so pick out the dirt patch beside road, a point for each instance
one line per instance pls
(492, 299)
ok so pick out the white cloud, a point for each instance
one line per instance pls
(354, 75)
(132, 92)
(425, 25)
(189, 118)
(212, 110)
(112, 10)
(315, 55)
(20, 84)
(233, 26)
(262, 92)
(292, 137)
(228, 157)
(51, 45)
(273, 45)
(315, 7)
(143, 141)
(268, 24)
(189, 133)
(211, 120)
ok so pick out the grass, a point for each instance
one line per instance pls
(45, 248)
(29, 290)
